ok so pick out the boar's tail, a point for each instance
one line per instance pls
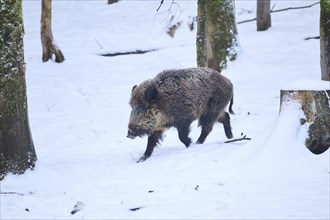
(231, 105)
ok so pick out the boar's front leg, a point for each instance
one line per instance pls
(153, 140)
(183, 130)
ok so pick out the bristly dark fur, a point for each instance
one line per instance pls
(175, 98)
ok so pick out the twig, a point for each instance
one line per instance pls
(128, 53)
(279, 10)
(311, 38)
(273, 7)
(12, 193)
(98, 43)
(239, 139)
(136, 209)
(77, 207)
(161, 3)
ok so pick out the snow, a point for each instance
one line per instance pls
(308, 84)
(79, 114)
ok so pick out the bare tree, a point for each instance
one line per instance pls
(216, 33)
(325, 39)
(17, 151)
(263, 15)
(48, 45)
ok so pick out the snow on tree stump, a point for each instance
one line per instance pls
(316, 107)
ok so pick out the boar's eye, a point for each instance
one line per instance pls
(141, 109)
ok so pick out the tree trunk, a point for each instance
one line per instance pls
(17, 151)
(325, 39)
(48, 46)
(263, 15)
(216, 39)
(316, 107)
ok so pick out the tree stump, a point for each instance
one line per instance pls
(316, 107)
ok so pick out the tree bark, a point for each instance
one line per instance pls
(48, 46)
(216, 39)
(316, 107)
(17, 151)
(325, 39)
(263, 15)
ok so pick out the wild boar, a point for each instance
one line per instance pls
(175, 98)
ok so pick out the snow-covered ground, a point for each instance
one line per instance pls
(79, 111)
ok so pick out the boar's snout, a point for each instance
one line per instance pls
(130, 134)
(137, 131)
(132, 131)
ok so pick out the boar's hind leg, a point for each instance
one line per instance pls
(225, 120)
(183, 130)
(206, 129)
(207, 121)
(153, 140)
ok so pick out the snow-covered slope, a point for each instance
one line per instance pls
(79, 113)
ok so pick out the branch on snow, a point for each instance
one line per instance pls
(279, 10)
(294, 8)
(312, 38)
(12, 193)
(128, 53)
(245, 21)
(238, 139)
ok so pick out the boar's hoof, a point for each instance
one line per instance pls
(142, 159)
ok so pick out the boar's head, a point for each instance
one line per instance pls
(145, 116)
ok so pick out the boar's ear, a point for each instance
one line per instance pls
(134, 87)
(151, 94)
